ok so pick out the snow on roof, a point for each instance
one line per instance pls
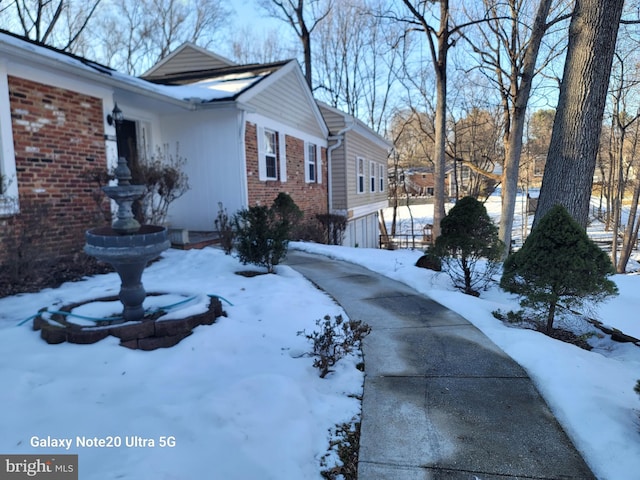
(227, 86)
(215, 88)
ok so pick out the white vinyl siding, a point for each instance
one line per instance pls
(287, 102)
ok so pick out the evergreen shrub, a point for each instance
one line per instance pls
(558, 264)
(262, 233)
(469, 246)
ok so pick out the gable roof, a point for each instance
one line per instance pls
(352, 123)
(187, 57)
(241, 83)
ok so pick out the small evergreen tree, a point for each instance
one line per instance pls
(287, 212)
(469, 246)
(262, 233)
(558, 263)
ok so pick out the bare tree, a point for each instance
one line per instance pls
(440, 34)
(356, 68)
(476, 149)
(58, 23)
(508, 50)
(623, 142)
(571, 162)
(136, 35)
(303, 16)
(249, 46)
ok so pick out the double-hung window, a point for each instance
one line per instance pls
(311, 160)
(382, 173)
(360, 174)
(372, 175)
(271, 154)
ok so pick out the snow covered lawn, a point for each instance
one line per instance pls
(233, 401)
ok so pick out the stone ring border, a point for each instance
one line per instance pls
(146, 334)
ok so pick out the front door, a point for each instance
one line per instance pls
(128, 146)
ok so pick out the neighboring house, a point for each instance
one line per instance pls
(246, 132)
(358, 175)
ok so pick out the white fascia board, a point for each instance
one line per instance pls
(291, 66)
(368, 209)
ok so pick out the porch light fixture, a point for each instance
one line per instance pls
(115, 116)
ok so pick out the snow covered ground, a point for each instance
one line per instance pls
(233, 401)
(236, 400)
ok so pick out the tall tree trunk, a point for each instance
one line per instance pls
(513, 151)
(441, 118)
(568, 175)
(618, 195)
(550, 316)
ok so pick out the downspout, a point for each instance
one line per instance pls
(243, 158)
(338, 138)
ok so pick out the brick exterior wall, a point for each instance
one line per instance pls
(311, 198)
(58, 141)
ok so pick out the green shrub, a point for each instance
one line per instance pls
(287, 212)
(469, 246)
(262, 233)
(558, 263)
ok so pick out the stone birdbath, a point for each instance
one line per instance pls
(127, 245)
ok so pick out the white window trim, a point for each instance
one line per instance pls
(372, 176)
(9, 197)
(381, 180)
(262, 155)
(282, 153)
(318, 164)
(281, 156)
(360, 185)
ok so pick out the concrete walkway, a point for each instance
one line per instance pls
(441, 401)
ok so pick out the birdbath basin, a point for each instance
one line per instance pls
(129, 255)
